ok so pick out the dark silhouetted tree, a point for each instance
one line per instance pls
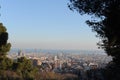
(106, 23)
(108, 27)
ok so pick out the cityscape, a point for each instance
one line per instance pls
(64, 61)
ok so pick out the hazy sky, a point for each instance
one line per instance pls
(45, 24)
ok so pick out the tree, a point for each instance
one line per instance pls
(106, 23)
(107, 28)
(25, 68)
(4, 46)
(5, 63)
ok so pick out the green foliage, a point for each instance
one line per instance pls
(5, 63)
(25, 68)
(4, 46)
(2, 28)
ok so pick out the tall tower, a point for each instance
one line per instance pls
(20, 53)
(61, 64)
(55, 58)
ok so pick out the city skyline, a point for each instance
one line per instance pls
(46, 25)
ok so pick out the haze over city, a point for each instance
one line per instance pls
(46, 24)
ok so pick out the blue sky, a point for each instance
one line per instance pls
(45, 24)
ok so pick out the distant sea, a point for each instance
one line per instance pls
(56, 51)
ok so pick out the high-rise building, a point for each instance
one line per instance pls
(55, 58)
(20, 53)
